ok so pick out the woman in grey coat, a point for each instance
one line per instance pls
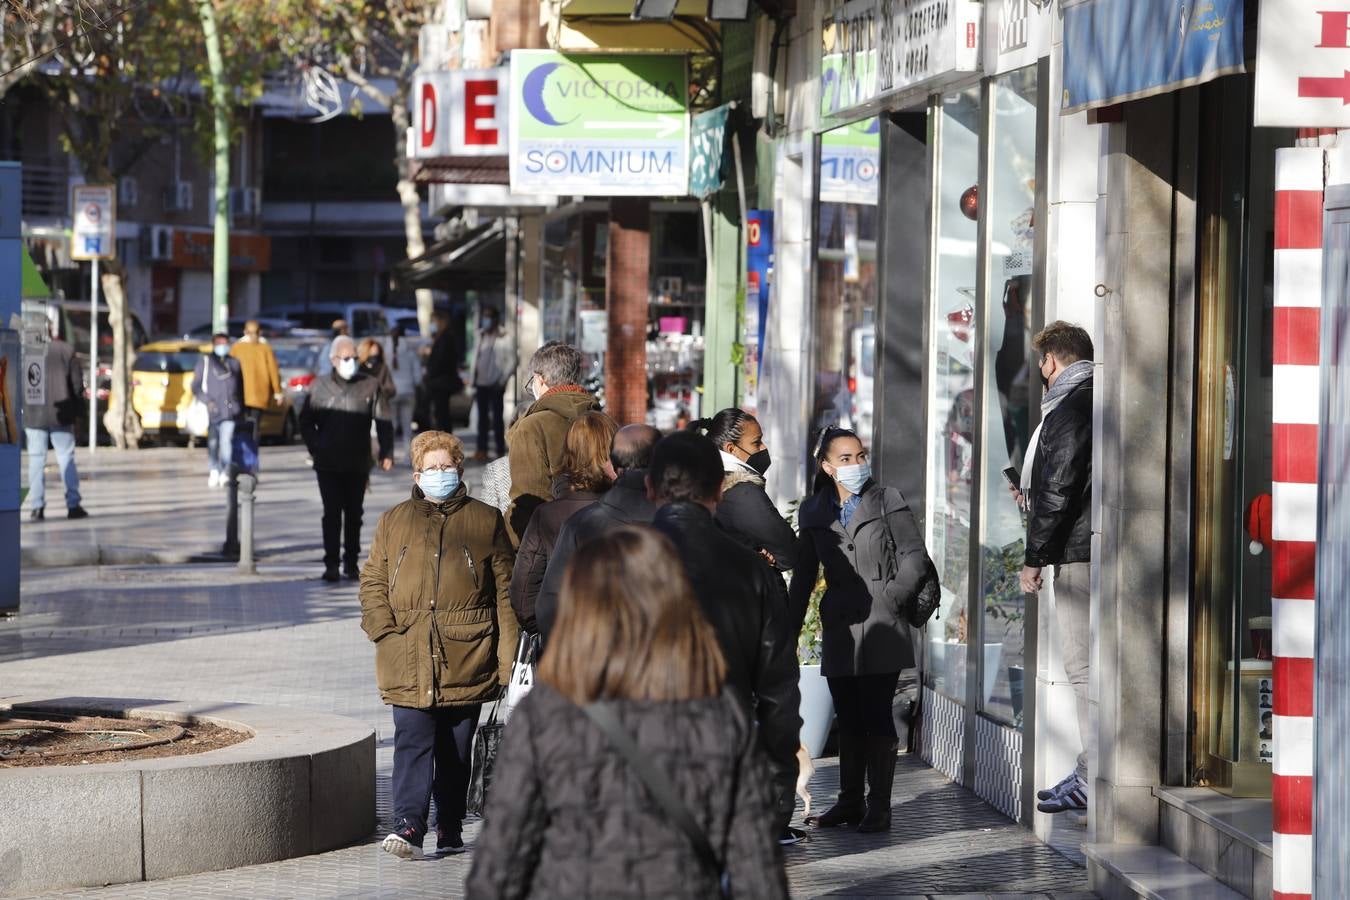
(875, 562)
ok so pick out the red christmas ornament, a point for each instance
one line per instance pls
(970, 202)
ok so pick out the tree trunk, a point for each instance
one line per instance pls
(412, 206)
(124, 426)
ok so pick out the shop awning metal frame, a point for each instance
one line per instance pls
(455, 255)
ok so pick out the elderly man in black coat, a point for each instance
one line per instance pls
(744, 600)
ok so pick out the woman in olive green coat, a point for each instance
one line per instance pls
(435, 600)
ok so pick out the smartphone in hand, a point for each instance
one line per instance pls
(1013, 476)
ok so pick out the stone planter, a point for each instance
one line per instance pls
(817, 709)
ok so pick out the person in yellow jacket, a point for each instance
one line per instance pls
(262, 378)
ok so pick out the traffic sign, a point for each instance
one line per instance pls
(1303, 64)
(599, 124)
(94, 227)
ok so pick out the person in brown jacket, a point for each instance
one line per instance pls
(262, 378)
(535, 441)
(435, 600)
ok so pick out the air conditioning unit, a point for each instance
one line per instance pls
(157, 243)
(245, 203)
(127, 190)
(178, 197)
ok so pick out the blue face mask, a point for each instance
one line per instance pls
(853, 477)
(439, 485)
(221, 349)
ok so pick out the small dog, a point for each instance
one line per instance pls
(805, 769)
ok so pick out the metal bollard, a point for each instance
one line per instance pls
(248, 485)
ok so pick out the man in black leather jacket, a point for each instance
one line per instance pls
(1059, 523)
(745, 601)
(625, 503)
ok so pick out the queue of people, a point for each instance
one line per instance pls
(662, 739)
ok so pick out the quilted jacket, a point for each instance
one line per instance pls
(568, 818)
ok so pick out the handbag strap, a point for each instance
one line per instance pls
(660, 787)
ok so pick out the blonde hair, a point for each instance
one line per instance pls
(626, 592)
(364, 348)
(586, 450)
(430, 442)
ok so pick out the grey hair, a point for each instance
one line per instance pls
(338, 342)
(557, 363)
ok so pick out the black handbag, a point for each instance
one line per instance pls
(485, 745)
(659, 786)
(926, 600)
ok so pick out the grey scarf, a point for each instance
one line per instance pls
(1069, 379)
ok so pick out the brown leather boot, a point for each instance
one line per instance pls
(848, 809)
(880, 757)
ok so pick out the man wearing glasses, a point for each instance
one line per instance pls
(335, 424)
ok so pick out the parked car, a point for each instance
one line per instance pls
(161, 392)
(271, 328)
(364, 319)
(861, 371)
(72, 325)
(300, 362)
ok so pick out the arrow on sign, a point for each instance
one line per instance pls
(664, 126)
(1326, 87)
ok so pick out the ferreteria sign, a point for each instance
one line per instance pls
(599, 125)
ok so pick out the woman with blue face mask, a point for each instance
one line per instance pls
(435, 599)
(875, 563)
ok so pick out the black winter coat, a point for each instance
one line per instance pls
(537, 546)
(874, 568)
(219, 383)
(1059, 519)
(747, 606)
(572, 820)
(625, 503)
(747, 514)
(335, 422)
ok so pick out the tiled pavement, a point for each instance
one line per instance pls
(285, 638)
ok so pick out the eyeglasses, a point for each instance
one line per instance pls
(437, 469)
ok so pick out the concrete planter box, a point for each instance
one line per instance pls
(303, 783)
(817, 709)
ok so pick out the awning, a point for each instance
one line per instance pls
(474, 259)
(461, 170)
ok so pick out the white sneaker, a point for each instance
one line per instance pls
(213, 480)
(399, 846)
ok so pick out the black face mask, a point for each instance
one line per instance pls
(760, 461)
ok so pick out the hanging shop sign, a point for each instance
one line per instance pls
(599, 125)
(874, 48)
(708, 152)
(1118, 50)
(758, 280)
(94, 221)
(460, 112)
(1017, 33)
(850, 163)
(1303, 64)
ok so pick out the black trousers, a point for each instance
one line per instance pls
(432, 757)
(863, 703)
(344, 497)
(490, 401)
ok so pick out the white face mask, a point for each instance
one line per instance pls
(346, 368)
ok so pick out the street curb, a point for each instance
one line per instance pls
(100, 555)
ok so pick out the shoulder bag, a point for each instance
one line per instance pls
(658, 784)
(921, 607)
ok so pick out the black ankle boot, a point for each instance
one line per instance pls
(880, 778)
(848, 809)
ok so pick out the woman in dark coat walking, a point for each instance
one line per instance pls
(584, 474)
(371, 356)
(875, 563)
(745, 511)
(572, 817)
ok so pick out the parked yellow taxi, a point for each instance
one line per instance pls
(161, 393)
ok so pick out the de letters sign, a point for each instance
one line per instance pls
(599, 125)
(460, 112)
(1303, 64)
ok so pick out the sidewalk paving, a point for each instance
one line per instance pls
(285, 638)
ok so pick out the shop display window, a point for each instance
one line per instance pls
(1012, 387)
(846, 279)
(951, 383)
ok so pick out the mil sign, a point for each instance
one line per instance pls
(1303, 64)
(599, 125)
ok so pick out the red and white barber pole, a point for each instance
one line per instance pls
(1299, 180)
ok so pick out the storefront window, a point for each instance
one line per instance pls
(1011, 385)
(846, 278)
(951, 391)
